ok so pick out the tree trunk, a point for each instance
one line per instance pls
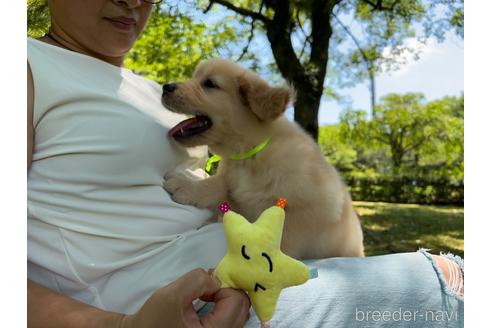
(373, 92)
(397, 157)
(308, 78)
(306, 111)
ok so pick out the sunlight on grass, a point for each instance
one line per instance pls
(394, 228)
(378, 227)
(366, 211)
(444, 240)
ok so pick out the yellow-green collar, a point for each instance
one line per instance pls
(239, 157)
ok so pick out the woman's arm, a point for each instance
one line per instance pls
(168, 306)
(46, 308)
(30, 111)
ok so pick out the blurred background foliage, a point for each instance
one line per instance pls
(411, 151)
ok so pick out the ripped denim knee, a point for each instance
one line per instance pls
(454, 285)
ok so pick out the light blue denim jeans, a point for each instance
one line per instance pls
(397, 290)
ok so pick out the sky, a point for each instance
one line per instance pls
(439, 72)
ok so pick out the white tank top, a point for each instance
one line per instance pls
(101, 228)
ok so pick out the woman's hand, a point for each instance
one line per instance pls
(171, 306)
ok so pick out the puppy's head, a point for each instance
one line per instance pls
(228, 103)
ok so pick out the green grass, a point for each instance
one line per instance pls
(395, 228)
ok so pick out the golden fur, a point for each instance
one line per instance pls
(320, 221)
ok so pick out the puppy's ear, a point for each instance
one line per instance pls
(266, 102)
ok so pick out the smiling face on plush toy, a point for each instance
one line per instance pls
(267, 257)
(254, 261)
(253, 252)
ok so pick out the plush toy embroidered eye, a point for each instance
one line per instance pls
(254, 261)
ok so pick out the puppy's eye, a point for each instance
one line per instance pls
(208, 83)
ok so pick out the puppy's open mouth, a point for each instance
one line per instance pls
(191, 127)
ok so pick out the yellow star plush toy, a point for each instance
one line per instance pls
(254, 261)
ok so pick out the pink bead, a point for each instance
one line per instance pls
(224, 207)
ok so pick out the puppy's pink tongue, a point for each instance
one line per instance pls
(190, 127)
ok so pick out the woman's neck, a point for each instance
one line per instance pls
(55, 39)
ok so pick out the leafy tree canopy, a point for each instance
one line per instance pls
(407, 134)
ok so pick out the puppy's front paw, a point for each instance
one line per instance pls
(181, 188)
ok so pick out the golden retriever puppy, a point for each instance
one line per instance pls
(235, 111)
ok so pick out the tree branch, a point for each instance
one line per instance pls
(307, 38)
(321, 31)
(300, 25)
(384, 141)
(304, 47)
(240, 10)
(414, 145)
(209, 6)
(278, 33)
(379, 5)
(356, 42)
(250, 38)
(370, 3)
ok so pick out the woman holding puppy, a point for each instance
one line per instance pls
(103, 235)
(100, 227)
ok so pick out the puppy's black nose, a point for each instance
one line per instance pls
(170, 87)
